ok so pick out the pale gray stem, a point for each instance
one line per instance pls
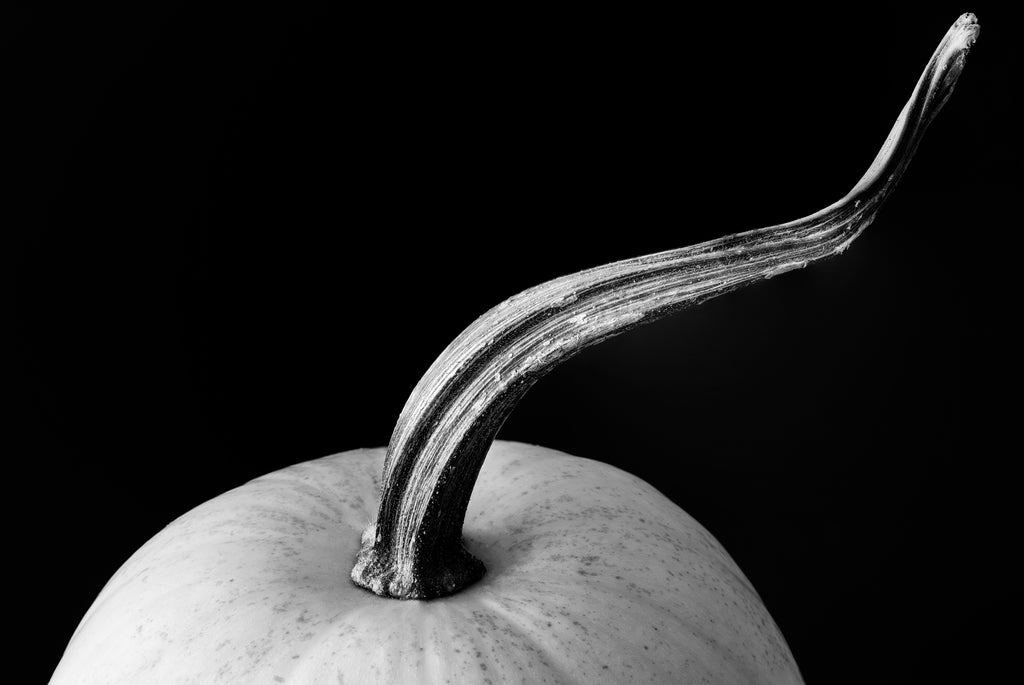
(414, 549)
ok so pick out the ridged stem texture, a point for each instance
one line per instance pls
(414, 549)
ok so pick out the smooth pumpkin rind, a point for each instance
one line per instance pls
(592, 577)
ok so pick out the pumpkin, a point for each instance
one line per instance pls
(592, 576)
(453, 558)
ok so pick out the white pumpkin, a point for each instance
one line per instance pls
(588, 574)
(592, 576)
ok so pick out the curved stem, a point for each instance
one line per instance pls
(414, 550)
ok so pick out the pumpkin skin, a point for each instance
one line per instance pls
(592, 576)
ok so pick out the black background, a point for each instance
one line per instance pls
(246, 235)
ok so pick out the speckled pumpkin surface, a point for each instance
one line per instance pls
(592, 576)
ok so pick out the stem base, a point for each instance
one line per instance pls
(445, 574)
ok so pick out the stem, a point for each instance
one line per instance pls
(415, 550)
